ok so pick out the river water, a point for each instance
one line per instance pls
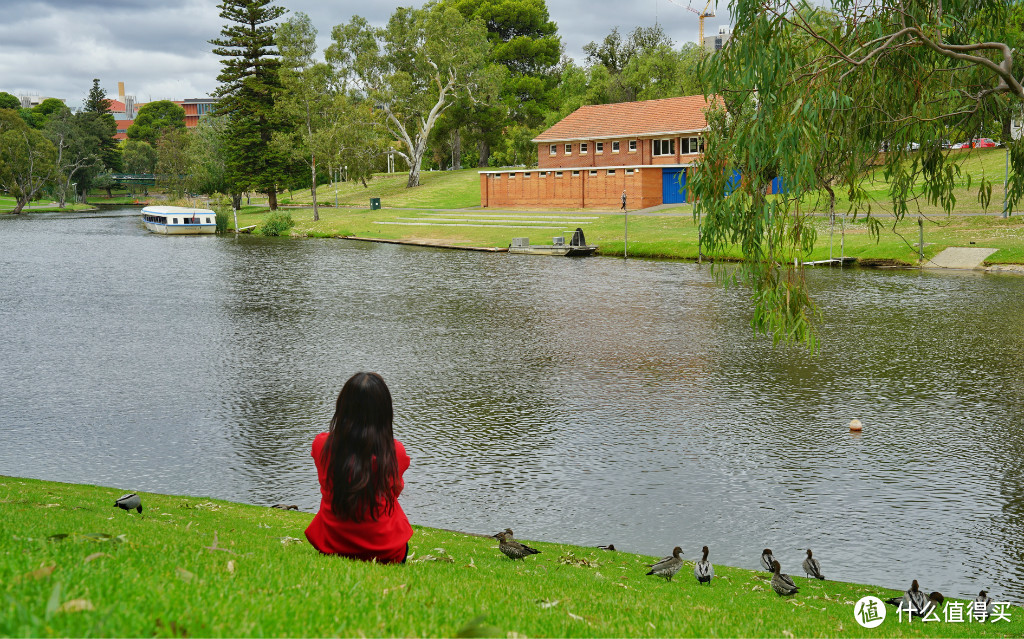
(583, 401)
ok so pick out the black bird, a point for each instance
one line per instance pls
(767, 559)
(608, 547)
(512, 548)
(782, 584)
(703, 570)
(812, 567)
(668, 566)
(285, 506)
(129, 502)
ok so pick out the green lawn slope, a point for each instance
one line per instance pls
(72, 565)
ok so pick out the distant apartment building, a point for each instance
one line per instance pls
(716, 42)
(29, 101)
(125, 109)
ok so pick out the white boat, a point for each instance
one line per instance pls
(179, 220)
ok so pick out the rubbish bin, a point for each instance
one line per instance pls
(374, 203)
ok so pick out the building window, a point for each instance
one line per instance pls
(511, 175)
(691, 145)
(598, 147)
(615, 146)
(543, 173)
(629, 171)
(611, 171)
(526, 175)
(665, 147)
(575, 173)
(558, 174)
(568, 149)
(553, 150)
(632, 146)
(583, 148)
(592, 172)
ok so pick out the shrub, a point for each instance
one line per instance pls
(276, 224)
(222, 222)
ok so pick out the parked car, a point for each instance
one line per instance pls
(983, 143)
(961, 145)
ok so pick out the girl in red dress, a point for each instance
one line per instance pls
(360, 466)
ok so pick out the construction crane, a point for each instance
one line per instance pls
(701, 14)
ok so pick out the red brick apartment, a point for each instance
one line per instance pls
(590, 157)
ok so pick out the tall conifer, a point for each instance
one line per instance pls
(249, 87)
(101, 122)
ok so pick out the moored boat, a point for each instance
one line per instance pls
(179, 220)
(577, 246)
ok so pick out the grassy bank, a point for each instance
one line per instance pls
(671, 234)
(420, 215)
(73, 565)
(7, 205)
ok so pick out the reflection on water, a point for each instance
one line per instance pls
(585, 401)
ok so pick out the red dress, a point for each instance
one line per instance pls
(384, 538)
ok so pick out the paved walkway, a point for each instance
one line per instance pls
(959, 257)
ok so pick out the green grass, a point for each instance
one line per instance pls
(8, 203)
(72, 565)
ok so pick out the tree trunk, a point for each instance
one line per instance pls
(236, 201)
(457, 151)
(19, 204)
(485, 153)
(272, 199)
(1006, 128)
(316, 211)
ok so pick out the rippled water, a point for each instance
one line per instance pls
(584, 401)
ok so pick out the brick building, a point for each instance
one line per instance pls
(589, 158)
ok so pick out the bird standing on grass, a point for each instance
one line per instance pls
(669, 565)
(608, 547)
(767, 559)
(812, 567)
(703, 570)
(782, 584)
(512, 548)
(982, 607)
(913, 600)
(129, 502)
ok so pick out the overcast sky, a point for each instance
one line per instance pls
(160, 49)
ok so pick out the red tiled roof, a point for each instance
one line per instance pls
(115, 106)
(626, 119)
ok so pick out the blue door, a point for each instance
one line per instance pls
(673, 186)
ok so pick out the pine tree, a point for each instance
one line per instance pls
(249, 87)
(103, 125)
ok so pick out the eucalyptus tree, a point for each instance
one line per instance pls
(154, 119)
(307, 96)
(249, 90)
(78, 146)
(412, 70)
(26, 159)
(811, 94)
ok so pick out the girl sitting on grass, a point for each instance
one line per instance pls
(360, 466)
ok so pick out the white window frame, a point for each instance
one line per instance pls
(615, 146)
(558, 174)
(553, 149)
(583, 148)
(598, 147)
(593, 172)
(632, 146)
(658, 146)
(575, 173)
(568, 149)
(694, 145)
(611, 171)
(630, 171)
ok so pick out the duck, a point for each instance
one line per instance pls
(512, 548)
(608, 547)
(668, 566)
(812, 567)
(131, 501)
(767, 559)
(982, 607)
(703, 570)
(782, 584)
(912, 600)
(935, 600)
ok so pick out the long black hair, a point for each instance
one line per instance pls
(362, 471)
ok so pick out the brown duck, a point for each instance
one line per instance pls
(782, 584)
(668, 566)
(512, 548)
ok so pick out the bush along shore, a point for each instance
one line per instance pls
(74, 565)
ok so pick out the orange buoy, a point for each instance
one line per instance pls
(856, 426)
